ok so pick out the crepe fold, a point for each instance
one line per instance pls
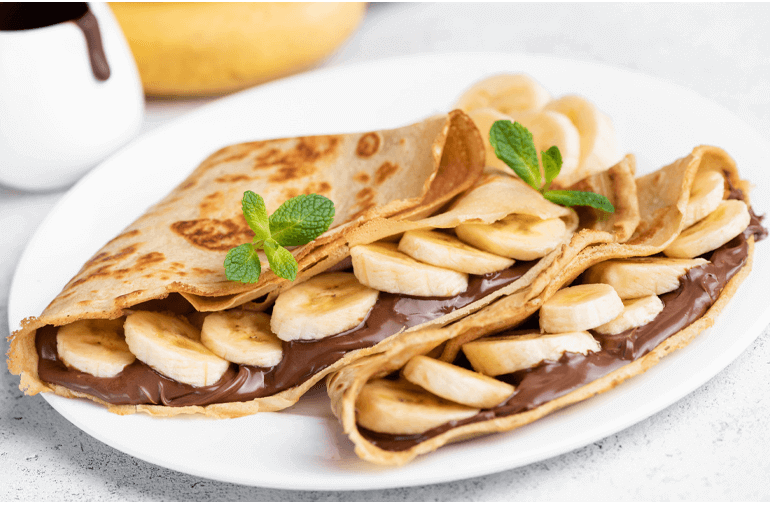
(663, 197)
(177, 247)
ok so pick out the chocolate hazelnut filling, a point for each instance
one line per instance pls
(698, 290)
(139, 384)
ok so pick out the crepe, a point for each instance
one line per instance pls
(177, 247)
(492, 196)
(663, 200)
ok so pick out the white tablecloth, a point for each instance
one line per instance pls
(711, 445)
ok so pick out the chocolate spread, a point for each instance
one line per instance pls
(15, 16)
(698, 290)
(140, 384)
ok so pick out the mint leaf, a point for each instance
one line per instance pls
(256, 215)
(281, 261)
(572, 198)
(514, 145)
(242, 264)
(551, 164)
(296, 222)
(301, 219)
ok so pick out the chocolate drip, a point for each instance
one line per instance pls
(699, 289)
(90, 28)
(15, 16)
(140, 384)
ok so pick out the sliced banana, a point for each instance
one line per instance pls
(456, 384)
(325, 305)
(172, 347)
(442, 250)
(242, 336)
(718, 228)
(580, 307)
(706, 194)
(484, 119)
(550, 128)
(401, 408)
(636, 312)
(94, 346)
(501, 355)
(599, 148)
(517, 236)
(381, 266)
(639, 277)
(508, 93)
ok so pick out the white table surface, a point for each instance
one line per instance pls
(711, 445)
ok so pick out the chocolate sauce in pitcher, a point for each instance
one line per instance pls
(17, 16)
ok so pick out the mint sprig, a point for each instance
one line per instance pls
(513, 144)
(296, 222)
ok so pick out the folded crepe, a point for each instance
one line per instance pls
(164, 271)
(432, 387)
(171, 258)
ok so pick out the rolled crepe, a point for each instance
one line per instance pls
(176, 250)
(663, 199)
(448, 160)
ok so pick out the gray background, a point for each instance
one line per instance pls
(711, 445)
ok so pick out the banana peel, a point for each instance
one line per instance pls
(203, 49)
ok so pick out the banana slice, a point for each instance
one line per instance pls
(382, 267)
(718, 228)
(501, 355)
(580, 307)
(639, 277)
(636, 312)
(325, 305)
(172, 347)
(94, 346)
(456, 384)
(599, 148)
(400, 408)
(508, 93)
(484, 119)
(442, 250)
(550, 128)
(517, 236)
(705, 196)
(241, 336)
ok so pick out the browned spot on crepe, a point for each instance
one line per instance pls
(211, 203)
(368, 145)
(290, 193)
(228, 179)
(213, 234)
(317, 187)
(150, 258)
(300, 162)
(364, 201)
(128, 298)
(385, 171)
(361, 177)
(124, 235)
(106, 257)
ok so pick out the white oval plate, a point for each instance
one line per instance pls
(303, 447)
